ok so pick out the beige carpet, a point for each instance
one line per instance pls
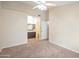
(39, 49)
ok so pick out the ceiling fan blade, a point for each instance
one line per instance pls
(35, 7)
(50, 4)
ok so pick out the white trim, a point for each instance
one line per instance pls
(63, 47)
(14, 45)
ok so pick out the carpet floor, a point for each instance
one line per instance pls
(39, 49)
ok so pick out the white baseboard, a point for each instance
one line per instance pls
(64, 47)
(13, 45)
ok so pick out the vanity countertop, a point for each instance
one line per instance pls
(31, 31)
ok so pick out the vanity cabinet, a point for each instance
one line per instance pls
(31, 34)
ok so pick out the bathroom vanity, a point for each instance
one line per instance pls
(31, 34)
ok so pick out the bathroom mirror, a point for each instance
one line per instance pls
(31, 27)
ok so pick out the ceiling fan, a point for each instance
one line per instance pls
(43, 5)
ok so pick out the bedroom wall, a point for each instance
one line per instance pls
(64, 26)
(1, 27)
(15, 28)
(0, 4)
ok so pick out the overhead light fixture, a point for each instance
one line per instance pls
(41, 7)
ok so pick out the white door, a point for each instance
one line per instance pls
(43, 29)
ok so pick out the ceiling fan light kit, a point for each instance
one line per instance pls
(42, 5)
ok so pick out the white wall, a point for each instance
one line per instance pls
(0, 19)
(1, 27)
(64, 26)
(0, 4)
(15, 28)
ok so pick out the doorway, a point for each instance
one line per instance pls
(33, 31)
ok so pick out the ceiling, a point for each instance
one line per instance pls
(58, 3)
